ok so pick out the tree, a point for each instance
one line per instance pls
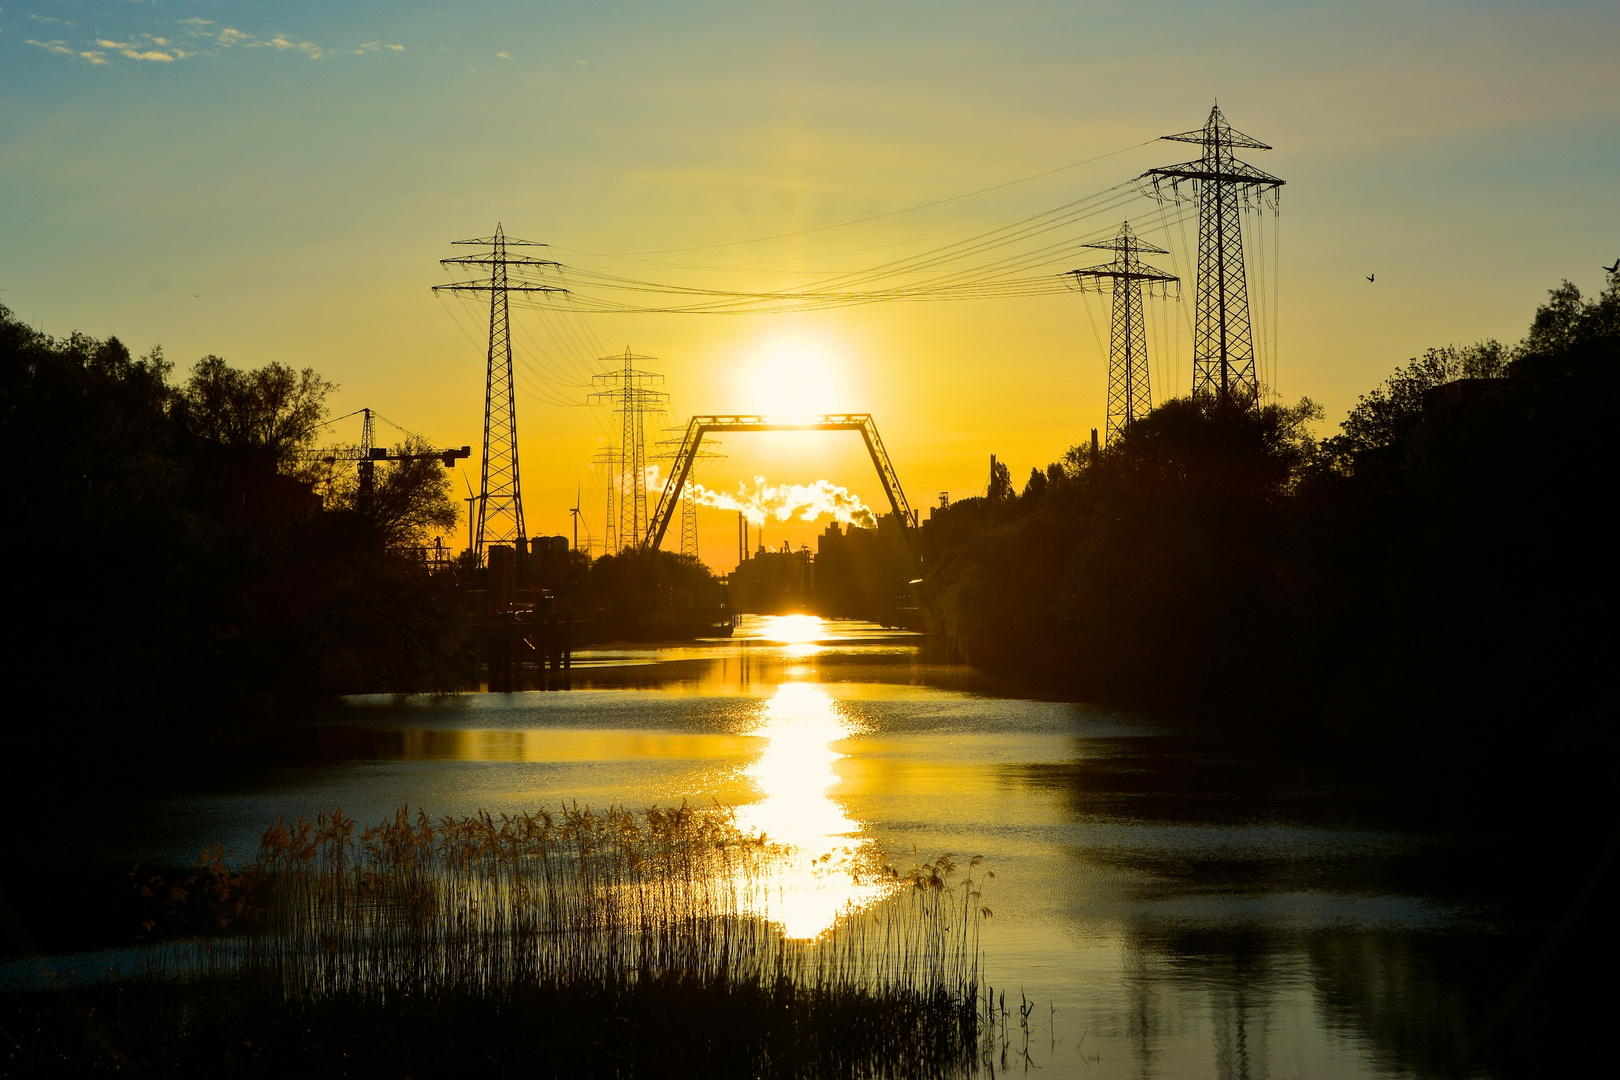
(268, 414)
(1001, 488)
(411, 497)
(1390, 412)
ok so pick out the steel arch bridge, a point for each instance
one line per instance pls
(700, 426)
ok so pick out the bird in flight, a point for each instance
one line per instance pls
(1371, 276)
(1615, 267)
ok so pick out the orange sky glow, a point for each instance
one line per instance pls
(213, 179)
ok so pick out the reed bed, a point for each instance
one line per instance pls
(569, 943)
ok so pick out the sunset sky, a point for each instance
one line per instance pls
(278, 183)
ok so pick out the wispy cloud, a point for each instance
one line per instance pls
(61, 49)
(283, 43)
(198, 35)
(164, 52)
(503, 55)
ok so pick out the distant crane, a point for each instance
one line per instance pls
(366, 457)
(1371, 276)
(1613, 269)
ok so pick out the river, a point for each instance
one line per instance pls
(1169, 910)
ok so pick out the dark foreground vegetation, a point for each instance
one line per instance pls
(1439, 574)
(574, 945)
(191, 573)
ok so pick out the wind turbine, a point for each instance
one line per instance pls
(574, 512)
(469, 500)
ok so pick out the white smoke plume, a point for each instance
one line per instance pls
(780, 501)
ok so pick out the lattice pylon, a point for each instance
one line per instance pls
(689, 536)
(1223, 342)
(629, 391)
(669, 448)
(1130, 393)
(500, 503)
(612, 460)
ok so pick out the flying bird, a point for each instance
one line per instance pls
(1614, 268)
(1371, 276)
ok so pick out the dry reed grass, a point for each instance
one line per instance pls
(575, 943)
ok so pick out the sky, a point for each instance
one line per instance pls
(278, 182)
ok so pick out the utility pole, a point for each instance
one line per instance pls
(630, 390)
(1129, 392)
(1223, 343)
(500, 507)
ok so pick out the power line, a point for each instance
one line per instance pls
(876, 217)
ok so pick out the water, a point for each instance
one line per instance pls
(1169, 912)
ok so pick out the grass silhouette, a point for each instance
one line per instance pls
(580, 943)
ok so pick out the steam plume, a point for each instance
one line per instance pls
(782, 501)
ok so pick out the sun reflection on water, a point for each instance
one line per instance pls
(792, 629)
(794, 774)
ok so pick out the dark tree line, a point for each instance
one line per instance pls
(1440, 570)
(175, 582)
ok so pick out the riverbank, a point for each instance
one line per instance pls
(1425, 579)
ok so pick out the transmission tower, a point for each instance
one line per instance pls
(630, 390)
(610, 459)
(669, 449)
(1223, 344)
(500, 504)
(1129, 392)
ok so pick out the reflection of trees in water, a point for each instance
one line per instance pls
(1196, 845)
(1403, 995)
(1468, 1004)
(1238, 977)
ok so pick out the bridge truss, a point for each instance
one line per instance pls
(699, 426)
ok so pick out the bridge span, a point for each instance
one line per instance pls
(700, 426)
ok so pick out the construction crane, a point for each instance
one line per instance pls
(365, 456)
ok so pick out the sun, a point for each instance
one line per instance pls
(792, 377)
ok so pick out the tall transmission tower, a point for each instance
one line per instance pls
(1223, 343)
(631, 392)
(610, 459)
(500, 504)
(669, 449)
(1129, 393)
(689, 539)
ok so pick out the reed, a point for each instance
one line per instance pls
(595, 943)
